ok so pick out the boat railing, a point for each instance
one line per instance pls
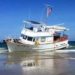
(34, 30)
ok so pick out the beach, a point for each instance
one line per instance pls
(35, 63)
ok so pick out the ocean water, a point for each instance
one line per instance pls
(36, 63)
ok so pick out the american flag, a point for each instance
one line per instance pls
(49, 10)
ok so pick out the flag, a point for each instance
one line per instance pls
(49, 10)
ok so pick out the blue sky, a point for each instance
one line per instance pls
(14, 12)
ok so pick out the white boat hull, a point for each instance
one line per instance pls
(44, 47)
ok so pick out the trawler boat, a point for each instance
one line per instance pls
(37, 36)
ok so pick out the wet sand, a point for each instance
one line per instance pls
(24, 63)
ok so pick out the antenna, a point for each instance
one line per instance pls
(29, 13)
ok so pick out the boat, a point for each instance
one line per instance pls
(37, 36)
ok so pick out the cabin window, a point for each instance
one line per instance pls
(31, 28)
(29, 38)
(43, 39)
(24, 36)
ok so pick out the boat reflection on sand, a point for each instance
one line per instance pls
(38, 64)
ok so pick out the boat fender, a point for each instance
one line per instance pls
(36, 43)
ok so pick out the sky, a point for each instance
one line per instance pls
(14, 12)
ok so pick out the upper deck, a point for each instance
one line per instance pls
(36, 29)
